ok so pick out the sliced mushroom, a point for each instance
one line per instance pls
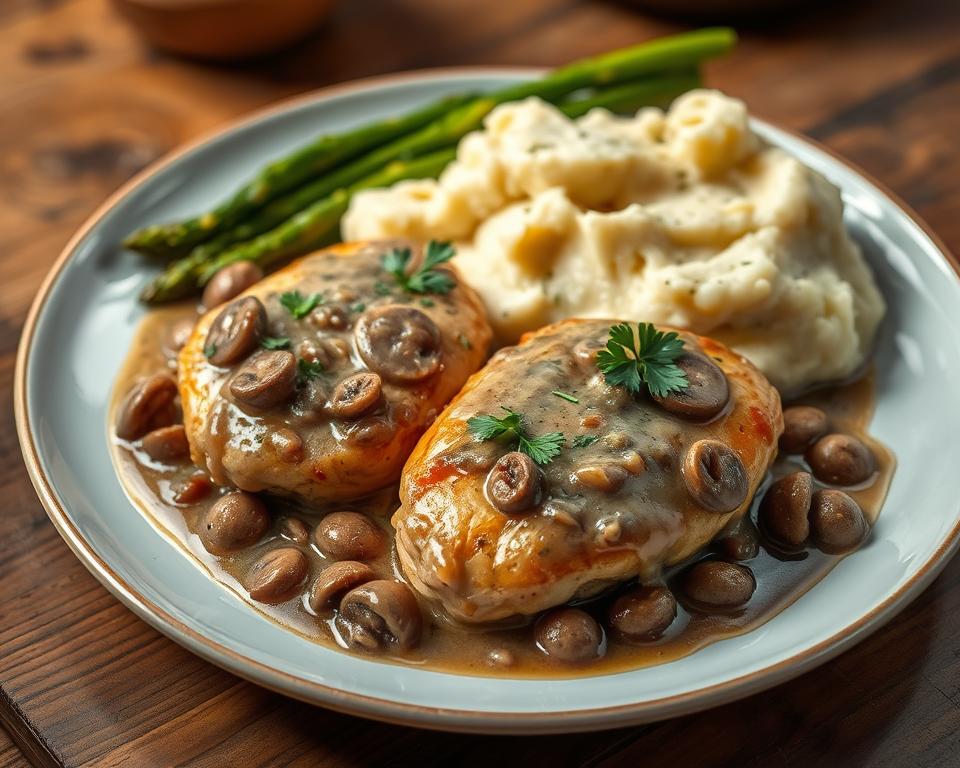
(706, 393)
(570, 635)
(234, 521)
(740, 541)
(715, 476)
(644, 613)
(277, 575)
(606, 478)
(149, 405)
(802, 424)
(295, 529)
(513, 485)
(166, 443)
(380, 615)
(837, 521)
(784, 510)
(266, 379)
(400, 343)
(356, 395)
(718, 585)
(191, 489)
(349, 536)
(229, 282)
(840, 460)
(236, 331)
(335, 581)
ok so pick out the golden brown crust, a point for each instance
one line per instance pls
(483, 565)
(330, 469)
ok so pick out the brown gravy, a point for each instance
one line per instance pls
(780, 579)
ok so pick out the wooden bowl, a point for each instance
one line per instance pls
(223, 29)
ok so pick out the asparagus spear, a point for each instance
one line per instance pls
(629, 97)
(624, 99)
(183, 277)
(439, 126)
(314, 226)
(283, 175)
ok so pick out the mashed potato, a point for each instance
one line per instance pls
(684, 218)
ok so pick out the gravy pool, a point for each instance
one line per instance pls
(502, 650)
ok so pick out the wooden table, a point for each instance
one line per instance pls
(85, 105)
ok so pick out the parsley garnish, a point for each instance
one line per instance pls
(425, 279)
(307, 371)
(210, 350)
(582, 441)
(274, 342)
(427, 303)
(358, 307)
(542, 449)
(647, 359)
(381, 288)
(299, 305)
(565, 396)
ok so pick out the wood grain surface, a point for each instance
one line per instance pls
(85, 105)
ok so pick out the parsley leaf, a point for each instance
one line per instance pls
(299, 305)
(649, 359)
(308, 371)
(274, 342)
(582, 441)
(542, 449)
(424, 279)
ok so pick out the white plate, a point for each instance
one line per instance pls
(85, 314)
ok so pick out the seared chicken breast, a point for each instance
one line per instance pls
(639, 485)
(317, 382)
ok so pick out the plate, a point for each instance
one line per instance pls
(86, 311)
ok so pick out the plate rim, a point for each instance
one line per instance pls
(391, 710)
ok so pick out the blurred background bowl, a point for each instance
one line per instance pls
(224, 29)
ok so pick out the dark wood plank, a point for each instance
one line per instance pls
(85, 105)
(10, 756)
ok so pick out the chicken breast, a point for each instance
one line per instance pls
(639, 484)
(317, 382)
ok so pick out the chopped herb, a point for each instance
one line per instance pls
(381, 288)
(299, 305)
(210, 350)
(542, 449)
(582, 441)
(647, 359)
(464, 341)
(565, 396)
(358, 307)
(308, 371)
(274, 342)
(425, 279)
(427, 303)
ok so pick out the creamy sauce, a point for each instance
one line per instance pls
(781, 579)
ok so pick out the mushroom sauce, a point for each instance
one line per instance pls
(177, 496)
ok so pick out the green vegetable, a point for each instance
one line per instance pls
(582, 441)
(285, 174)
(647, 359)
(317, 225)
(542, 449)
(565, 396)
(274, 342)
(299, 305)
(275, 218)
(307, 371)
(425, 279)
